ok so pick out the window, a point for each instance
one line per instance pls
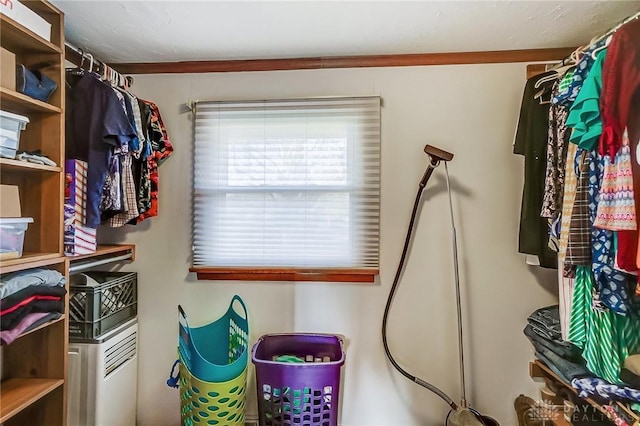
(287, 189)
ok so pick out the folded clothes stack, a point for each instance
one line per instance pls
(35, 157)
(564, 358)
(28, 299)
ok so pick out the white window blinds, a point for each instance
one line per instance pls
(287, 183)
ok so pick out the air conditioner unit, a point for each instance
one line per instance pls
(103, 379)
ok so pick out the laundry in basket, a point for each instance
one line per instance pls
(291, 392)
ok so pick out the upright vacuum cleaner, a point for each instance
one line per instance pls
(460, 414)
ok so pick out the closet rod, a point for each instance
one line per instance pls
(614, 29)
(77, 56)
(87, 265)
(605, 35)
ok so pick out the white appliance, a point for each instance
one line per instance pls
(103, 379)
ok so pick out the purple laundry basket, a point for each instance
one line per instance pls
(300, 394)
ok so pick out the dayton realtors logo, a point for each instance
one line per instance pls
(543, 411)
(583, 413)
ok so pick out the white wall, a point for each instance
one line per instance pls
(469, 110)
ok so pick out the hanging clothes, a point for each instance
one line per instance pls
(95, 124)
(584, 115)
(598, 201)
(557, 144)
(161, 149)
(605, 338)
(531, 141)
(123, 140)
(566, 279)
(612, 285)
(579, 233)
(580, 73)
(616, 207)
(621, 80)
(569, 197)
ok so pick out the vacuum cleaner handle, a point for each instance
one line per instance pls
(437, 154)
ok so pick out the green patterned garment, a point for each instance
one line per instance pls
(605, 337)
(566, 80)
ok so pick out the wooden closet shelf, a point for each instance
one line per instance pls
(19, 103)
(17, 165)
(41, 326)
(16, 37)
(538, 369)
(30, 260)
(17, 394)
(34, 390)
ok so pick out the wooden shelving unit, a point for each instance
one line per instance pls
(24, 104)
(18, 394)
(30, 260)
(34, 366)
(16, 165)
(17, 37)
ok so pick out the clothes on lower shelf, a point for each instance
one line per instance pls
(543, 331)
(29, 298)
(575, 364)
(588, 386)
(561, 348)
(26, 324)
(35, 157)
(16, 281)
(546, 322)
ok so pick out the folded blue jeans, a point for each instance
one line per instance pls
(567, 370)
(547, 321)
(563, 349)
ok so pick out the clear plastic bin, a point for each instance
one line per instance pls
(12, 236)
(10, 127)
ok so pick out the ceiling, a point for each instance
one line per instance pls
(168, 31)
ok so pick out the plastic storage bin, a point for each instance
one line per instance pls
(306, 394)
(218, 351)
(12, 236)
(25, 16)
(10, 127)
(100, 301)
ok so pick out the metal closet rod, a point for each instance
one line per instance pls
(605, 35)
(86, 55)
(82, 266)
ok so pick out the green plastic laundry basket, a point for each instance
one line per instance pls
(206, 403)
(218, 351)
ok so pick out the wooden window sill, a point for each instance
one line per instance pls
(285, 274)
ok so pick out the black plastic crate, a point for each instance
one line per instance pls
(94, 310)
